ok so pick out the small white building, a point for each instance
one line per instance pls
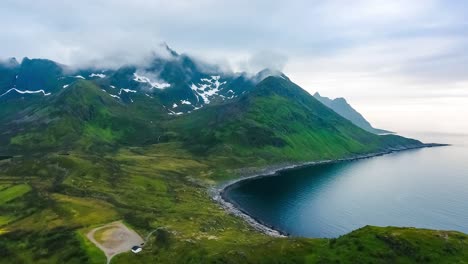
(136, 249)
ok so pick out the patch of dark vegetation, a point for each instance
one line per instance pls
(399, 245)
(163, 238)
(138, 220)
(58, 245)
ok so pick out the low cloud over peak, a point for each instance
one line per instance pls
(356, 49)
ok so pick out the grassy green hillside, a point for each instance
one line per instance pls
(278, 122)
(80, 117)
(53, 200)
(84, 159)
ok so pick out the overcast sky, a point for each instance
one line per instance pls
(403, 64)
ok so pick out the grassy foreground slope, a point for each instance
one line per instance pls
(159, 188)
(99, 160)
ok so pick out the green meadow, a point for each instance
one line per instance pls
(50, 202)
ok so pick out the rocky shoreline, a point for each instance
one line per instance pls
(219, 193)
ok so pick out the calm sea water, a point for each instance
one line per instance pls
(425, 188)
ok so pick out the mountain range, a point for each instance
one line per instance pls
(341, 107)
(49, 106)
(177, 82)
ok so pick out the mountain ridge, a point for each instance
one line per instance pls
(343, 108)
(146, 97)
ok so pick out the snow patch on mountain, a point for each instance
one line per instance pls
(231, 94)
(154, 84)
(65, 86)
(99, 75)
(172, 112)
(207, 88)
(79, 77)
(112, 95)
(26, 92)
(176, 113)
(126, 90)
(185, 102)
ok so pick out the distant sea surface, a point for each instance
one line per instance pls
(424, 188)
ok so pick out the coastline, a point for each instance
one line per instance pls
(218, 193)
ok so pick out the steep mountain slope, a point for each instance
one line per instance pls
(80, 117)
(275, 121)
(278, 120)
(340, 106)
(32, 76)
(8, 73)
(46, 105)
(180, 83)
(176, 81)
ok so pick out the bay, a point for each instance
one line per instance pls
(424, 188)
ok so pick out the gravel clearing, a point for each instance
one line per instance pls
(114, 238)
